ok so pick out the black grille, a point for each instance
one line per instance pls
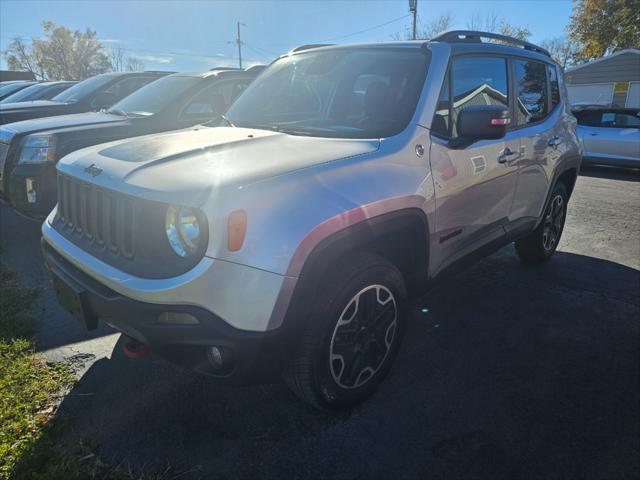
(99, 216)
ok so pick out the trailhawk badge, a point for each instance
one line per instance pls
(93, 170)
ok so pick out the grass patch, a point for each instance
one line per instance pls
(29, 387)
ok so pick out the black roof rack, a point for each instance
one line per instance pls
(310, 45)
(472, 36)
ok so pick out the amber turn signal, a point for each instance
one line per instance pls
(237, 228)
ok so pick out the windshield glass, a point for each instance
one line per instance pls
(83, 89)
(26, 93)
(10, 87)
(155, 96)
(346, 93)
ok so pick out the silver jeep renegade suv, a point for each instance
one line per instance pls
(287, 239)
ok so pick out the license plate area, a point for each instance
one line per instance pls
(72, 297)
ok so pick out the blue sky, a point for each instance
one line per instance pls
(194, 35)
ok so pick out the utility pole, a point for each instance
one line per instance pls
(239, 42)
(413, 8)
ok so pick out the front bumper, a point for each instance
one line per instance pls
(32, 189)
(252, 357)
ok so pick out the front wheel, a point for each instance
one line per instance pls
(352, 336)
(540, 244)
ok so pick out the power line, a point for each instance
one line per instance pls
(362, 31)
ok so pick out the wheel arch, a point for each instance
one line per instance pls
(401, 237)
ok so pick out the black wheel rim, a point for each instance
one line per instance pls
(553, 222)
(363, 336)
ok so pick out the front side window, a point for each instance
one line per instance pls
(214, 100)
(345, 93)
(531, 88)
(476, 81)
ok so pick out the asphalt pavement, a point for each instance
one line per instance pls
(513, 373)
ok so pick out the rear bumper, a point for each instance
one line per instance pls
(251, 357)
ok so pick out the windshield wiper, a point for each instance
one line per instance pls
(229, 122)
(117, 111)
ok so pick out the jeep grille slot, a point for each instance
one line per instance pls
(97, 216)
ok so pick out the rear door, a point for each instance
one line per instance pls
(540, 126)
(474, 184)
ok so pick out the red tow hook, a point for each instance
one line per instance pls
(135, 349)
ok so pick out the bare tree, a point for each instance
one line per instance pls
(492, 23)
(117, 57)
(135, 64)
(562, 49)
(428, 30)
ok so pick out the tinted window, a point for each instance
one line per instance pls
(478, 81)
(609, 119)
(156, 96)
(83, 89)
(555, 88)
(531, 87)
(345, 92)
(214, 100)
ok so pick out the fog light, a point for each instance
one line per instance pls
(220, 358)
(177, 318)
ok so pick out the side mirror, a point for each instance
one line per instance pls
(483, 122)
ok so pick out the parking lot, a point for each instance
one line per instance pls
(513, 372)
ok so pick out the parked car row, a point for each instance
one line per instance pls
(30, 149)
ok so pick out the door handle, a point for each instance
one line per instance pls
(554, 141)
(508, 155)
(594, 134)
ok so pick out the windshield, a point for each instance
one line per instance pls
(26, 93)
(10, 87)
(83, 89)
(155, 96)
(346, 93)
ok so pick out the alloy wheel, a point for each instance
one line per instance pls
(363, 336)
(553, 221)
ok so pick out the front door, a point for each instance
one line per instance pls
(475, 184)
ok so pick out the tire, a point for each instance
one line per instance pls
(352, 336)
(540, 244)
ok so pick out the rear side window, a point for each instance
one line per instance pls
(609, 119)
(554, 87)
(475, 81)
(531, 87)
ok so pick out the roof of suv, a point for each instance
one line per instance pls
(214, 73)
(460, 41)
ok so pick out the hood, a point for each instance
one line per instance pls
(38, 104)
(65, 121)
(204, 157)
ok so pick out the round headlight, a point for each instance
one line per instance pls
(183, 230)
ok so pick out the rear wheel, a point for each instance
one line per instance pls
(352, 336)
(543, 241)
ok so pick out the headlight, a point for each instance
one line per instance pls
(183, 230)
(38, 149)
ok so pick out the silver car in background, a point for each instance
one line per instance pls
(610, 136)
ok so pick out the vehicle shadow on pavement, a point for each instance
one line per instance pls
(512, 372)
(611, 173)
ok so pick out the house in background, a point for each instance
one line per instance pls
(612, 80)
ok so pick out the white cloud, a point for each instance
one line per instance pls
(157, 58)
